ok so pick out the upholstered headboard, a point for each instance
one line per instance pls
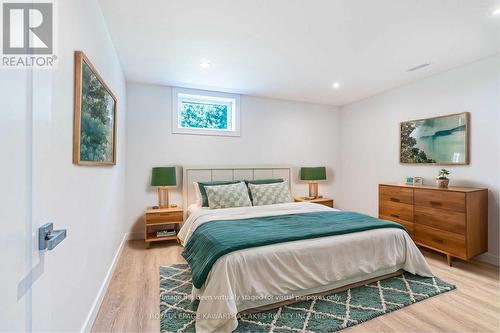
(215, 173)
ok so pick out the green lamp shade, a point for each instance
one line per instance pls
(313, 173)
(164, 176)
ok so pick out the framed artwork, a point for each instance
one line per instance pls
(440, 140)
(94, 132)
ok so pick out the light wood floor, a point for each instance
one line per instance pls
(131, 303)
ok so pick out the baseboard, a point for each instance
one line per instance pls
(489, 258)
(89, 321)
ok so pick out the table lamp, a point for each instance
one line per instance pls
(313, 174)
(163, 177)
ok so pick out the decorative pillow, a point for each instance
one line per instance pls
(203, 192)
(261, 181)
(269, 194)
(198, 194)
(227, 196)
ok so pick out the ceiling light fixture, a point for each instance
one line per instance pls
(336, 85)
(416, 68)
(497, 11)
(205, 64)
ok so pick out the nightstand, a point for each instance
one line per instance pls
(162, 217)
(322, 201)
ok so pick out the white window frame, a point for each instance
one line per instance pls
(195, 95)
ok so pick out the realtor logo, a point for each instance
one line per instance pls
(28, 34)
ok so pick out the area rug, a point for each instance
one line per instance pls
(325, 314)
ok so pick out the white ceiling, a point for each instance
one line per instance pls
(296, 49)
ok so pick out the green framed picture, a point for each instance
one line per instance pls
(94, 133)
(440, 140)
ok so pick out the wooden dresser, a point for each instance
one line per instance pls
(453, 221)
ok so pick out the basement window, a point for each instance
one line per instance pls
(205, 112)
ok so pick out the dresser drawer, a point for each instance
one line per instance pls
(447, 220)
(440, 199)
(409, 226)
(164, 217)
(396, 194)
(396, 210)
(441, 240)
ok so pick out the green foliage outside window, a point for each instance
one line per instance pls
(204, 115)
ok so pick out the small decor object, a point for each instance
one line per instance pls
(163, 177)
(442, 180)
(418, 181)
(94, 127)
(409, 180)
(313, 174)
(441, 140)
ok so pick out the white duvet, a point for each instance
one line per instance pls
(265, 275)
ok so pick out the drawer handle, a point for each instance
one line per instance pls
(395, 215)
(395, 200)
(436, 203)
(438, 240)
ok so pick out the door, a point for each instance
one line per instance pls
(16, 199)
(25, 118)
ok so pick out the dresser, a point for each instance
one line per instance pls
(453, 221)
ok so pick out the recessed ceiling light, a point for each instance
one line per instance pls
(205, 64)
(497, 11)
(336, 85)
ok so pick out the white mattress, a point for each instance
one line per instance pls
(265, 275)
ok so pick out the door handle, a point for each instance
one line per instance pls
(48, 238)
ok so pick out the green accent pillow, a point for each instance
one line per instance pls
(260, 182)
(227, 196)
(203, 192)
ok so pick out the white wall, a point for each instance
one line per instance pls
(87, 201)
(370, 144)
(272, 132)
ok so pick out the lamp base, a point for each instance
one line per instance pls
(163, 197)
(313, 190)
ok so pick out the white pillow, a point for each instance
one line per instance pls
(227, 196)
(270, 194)
(198, 193)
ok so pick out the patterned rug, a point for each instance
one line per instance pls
(326, 314)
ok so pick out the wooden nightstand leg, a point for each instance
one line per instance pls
(449, 258)
(148, 245)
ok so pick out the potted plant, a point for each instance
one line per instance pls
(442, 180)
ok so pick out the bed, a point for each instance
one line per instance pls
(264, 276)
